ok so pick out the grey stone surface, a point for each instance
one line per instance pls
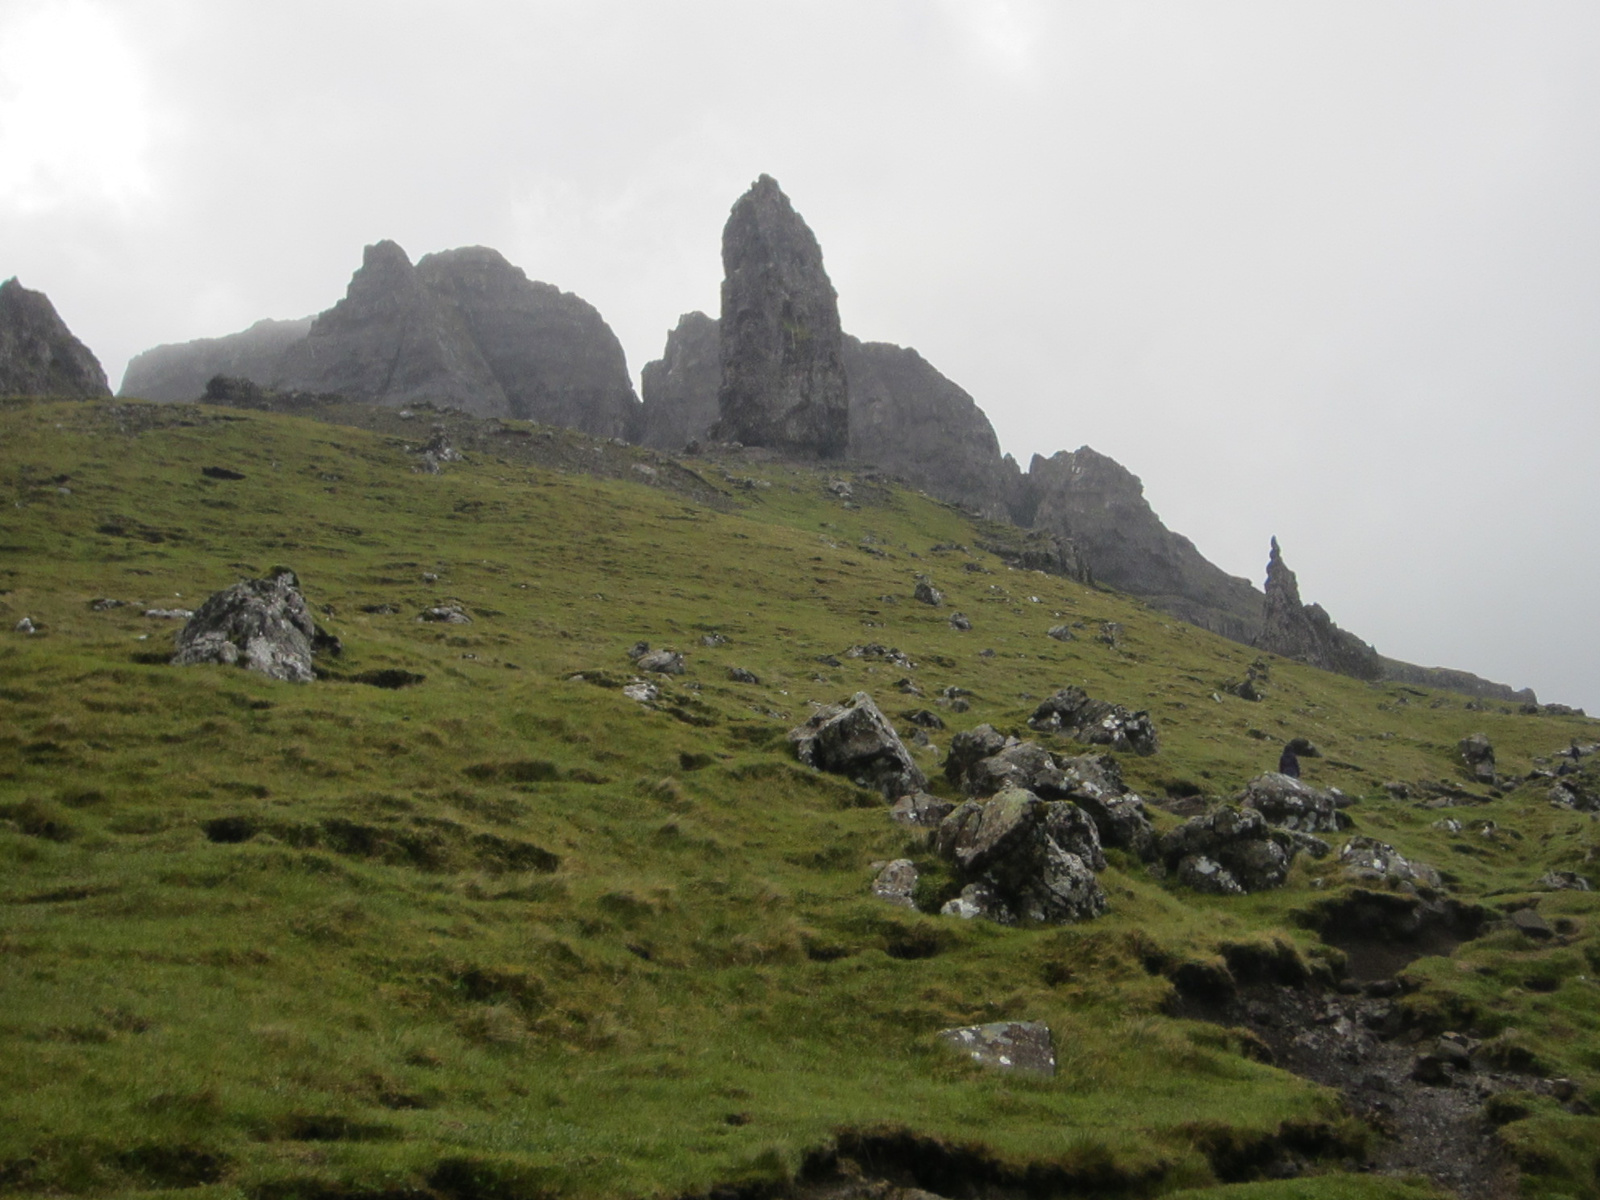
(260, 624)
(1255, 854)
(1367, 860)
(679, 389)
(1072, 712)
(1037, 857)
(39, 356)
(1478, 756)
(1288, 802)
(1023, 1046)
(920, 810)
(1305, 631)
(896, 883)
(857, 740)
(783, 382)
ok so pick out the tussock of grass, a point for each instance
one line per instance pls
(504, 931)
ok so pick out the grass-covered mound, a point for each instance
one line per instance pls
(462, 919)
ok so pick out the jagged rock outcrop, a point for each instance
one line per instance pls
(909, 420)
(263, 625)
(1099, 505)
(783, 381)
(461, 328)
(857, 740)
(38, 354)
(679, 389)
(1451, 680)
(1306, 632)
(1025, 858)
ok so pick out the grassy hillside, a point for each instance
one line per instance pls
(506, 932)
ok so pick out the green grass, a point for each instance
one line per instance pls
(505, 932)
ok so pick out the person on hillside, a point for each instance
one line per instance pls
(1289, 760)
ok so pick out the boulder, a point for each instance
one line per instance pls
(1037, 856)
(261, 624)
(740, 675)
(1254, 853)
(1061, 633)
(1206, 875)
(1023, 1046)
(1560, 881)
(1367, 860)
(960, 622)
(1478, 756)
(920, 810)
(857, 740)
(979, 900)
(1286, 801)
(783, 382)
(970, 746)
(661, 662)
(1072, 712)
(445, 614)
(926, 593)
(896, 883)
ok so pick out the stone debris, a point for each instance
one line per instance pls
(1006, 1045)
(1367, 860)
(1288, 802)
(876, 653)
(661, 662)
(1072, 712)
(1254, 853)
(926, 593)
(896, 883)
(740, 675)
(1562, 881)
(445, 614)
(920, 810)
(1478, 755)
(1061, 633)
(960, 622)
(263, 625)
(857, 740)
(642, 691)
(169, 614)
(25, 625)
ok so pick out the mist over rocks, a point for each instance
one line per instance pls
(39, 356)
(783, 382)
(461, 328)
(679, 389)
(1099, 505)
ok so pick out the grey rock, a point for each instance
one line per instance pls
(783, 382)
(1478, 755)
(712, 640)
(183, 371)
(679, 389)
(1531, 924)
(920, 810)
(445, 614)
(1368, 860)
(169, 614)
(1288, 802)
(1061, 633)
(1037, 856)
(923, 717)
(1207, 875)
(969, 747)
(39, 356)
(25, 625)
(263, 625)
(642, 691)
(1023, 1046)
(1306, 632)
(926, 593)
(1070, 711)
(979, 900)
(856, 740)
(897, 883)
(1559, 881)
(661, 662)
(960, 622)
(1256, 854)
(740, 675)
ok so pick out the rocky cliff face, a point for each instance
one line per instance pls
(1306, 632)
(910, 420)
(462, 328)
(1100, 506)
(1451, 680)
(679, 389)
(180, 371)
(783, 381)
(38, 354)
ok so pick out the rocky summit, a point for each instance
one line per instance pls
(38, 354)
(1306, 632)
(461, 328)
(783, 379)
(679, 389)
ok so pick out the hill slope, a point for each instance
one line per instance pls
(507, 932)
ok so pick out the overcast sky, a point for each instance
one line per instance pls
(1329, 271)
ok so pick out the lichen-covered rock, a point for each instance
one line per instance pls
(261, 624)
(896, 883)
(857, 740)
(1017, 764)
(1288, 802)
(979, 900)
(783, 381)
(969, 747)
(661, 662)
(39, 356)
(1206, 875)
(926, 593)
(1368, 860)
(1006, 1045)
(1038, 857)
(1072, 712)
(1478, 755)
(1254, 853)
(920, 810)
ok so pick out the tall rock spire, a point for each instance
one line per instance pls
(38, 354)
(783, 378)
(1306, 632)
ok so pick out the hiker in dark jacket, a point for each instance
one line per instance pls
(1289, 760)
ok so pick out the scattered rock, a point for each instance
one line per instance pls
(969, 747)
(1038, 857)
(926, 593)
(897, 883)
(1530, 923)
(1110, 633)
(445, 614)
(661, 662)
(26, 625)
(978, 900)
(712, 640)
(856, 740)
(1061, 633)
(960, 622)
(169, 614)
(1558, 881)
(1285, 801)
(920, 810)
(436, 450)
(637, 651)
(106, 604)
(1478, 755)
(923, 717)
(1254, 853)
(1367, 860)
(1207, 875)
(874, 652)
(642, 691)
(263, 625)
(740, 675)
(1007, 1045)
(1070, 711)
